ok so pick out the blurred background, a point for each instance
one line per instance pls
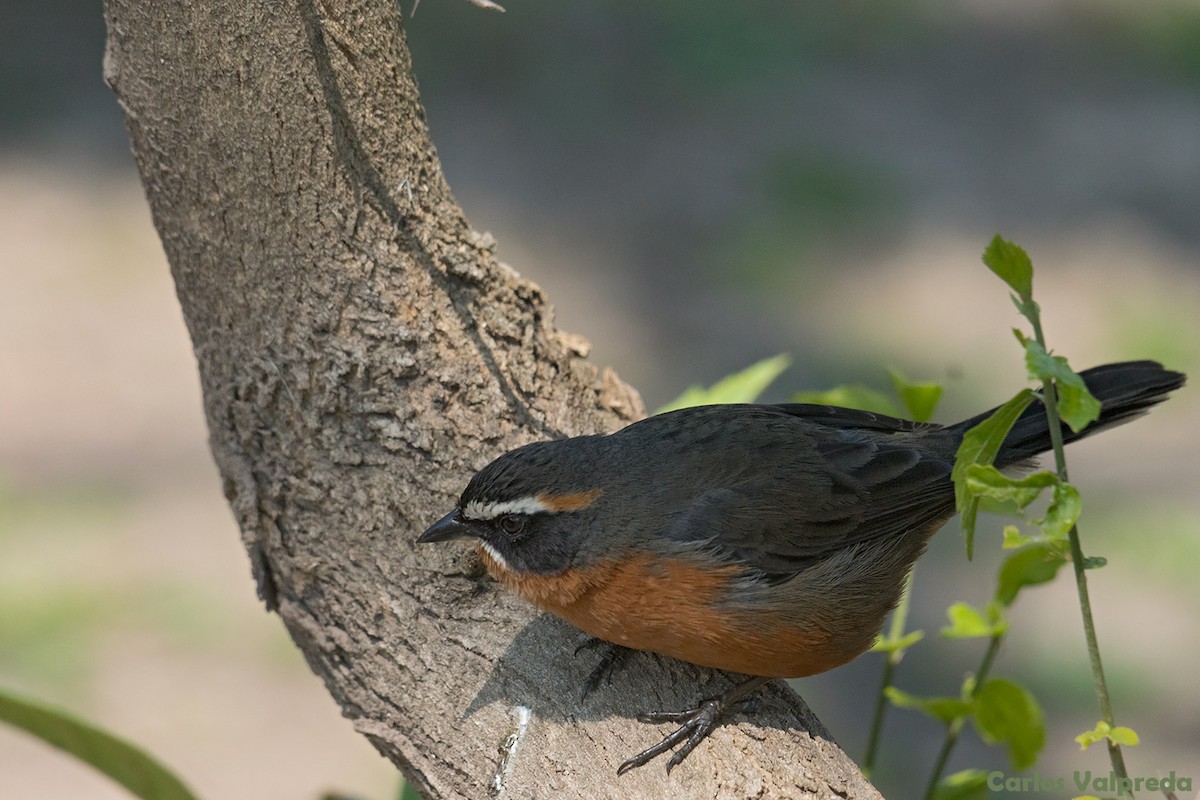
(696, 186)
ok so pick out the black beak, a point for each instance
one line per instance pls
(447, 528)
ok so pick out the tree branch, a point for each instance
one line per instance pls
(361, 353)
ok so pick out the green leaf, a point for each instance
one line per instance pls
(409, 791)
(1094, 736)
(1006, 713)
(740, 387)
(1123, 736)
(994, 506)
(1076, 405)
(898, 644)
(1094, 562)
(1028, 308)
(1118, 735)
(1063, 512)
(850, 396)
(1013, 538)
(968, 622)
(125, 763)
(947, 709)
(969, 784)
(919, 398)
(987, 481)
(980, 446)
(1012, 264)
(1036, 564)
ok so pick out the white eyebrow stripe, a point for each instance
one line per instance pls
(495, 555)
(478, 510)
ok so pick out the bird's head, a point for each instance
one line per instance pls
(532, 509)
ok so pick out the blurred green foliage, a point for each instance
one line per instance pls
(123, 762)
(744, 386)
(58, 608)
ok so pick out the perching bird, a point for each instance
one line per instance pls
(770, 540)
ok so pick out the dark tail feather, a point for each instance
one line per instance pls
(1125, 391)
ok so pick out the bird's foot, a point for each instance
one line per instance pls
(695, 724)
(613, 658)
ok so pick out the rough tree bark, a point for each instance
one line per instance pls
(361, 352)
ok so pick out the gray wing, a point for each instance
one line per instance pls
(861, 486)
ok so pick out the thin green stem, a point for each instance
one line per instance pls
(955, 727)
(899, 617)
(881, 704)
(1089, 629)
(1050, 398)
(943, 756)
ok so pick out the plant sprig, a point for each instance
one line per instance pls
(1002, 711)
(1066, 398)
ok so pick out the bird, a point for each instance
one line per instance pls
(767, 540)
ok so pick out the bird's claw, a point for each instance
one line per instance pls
(603, 671)
(694, 724)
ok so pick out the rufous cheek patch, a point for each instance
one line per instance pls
(573, 501)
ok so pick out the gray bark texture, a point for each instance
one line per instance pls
(362, 352)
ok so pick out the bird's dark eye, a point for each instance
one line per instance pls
(512, 524)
